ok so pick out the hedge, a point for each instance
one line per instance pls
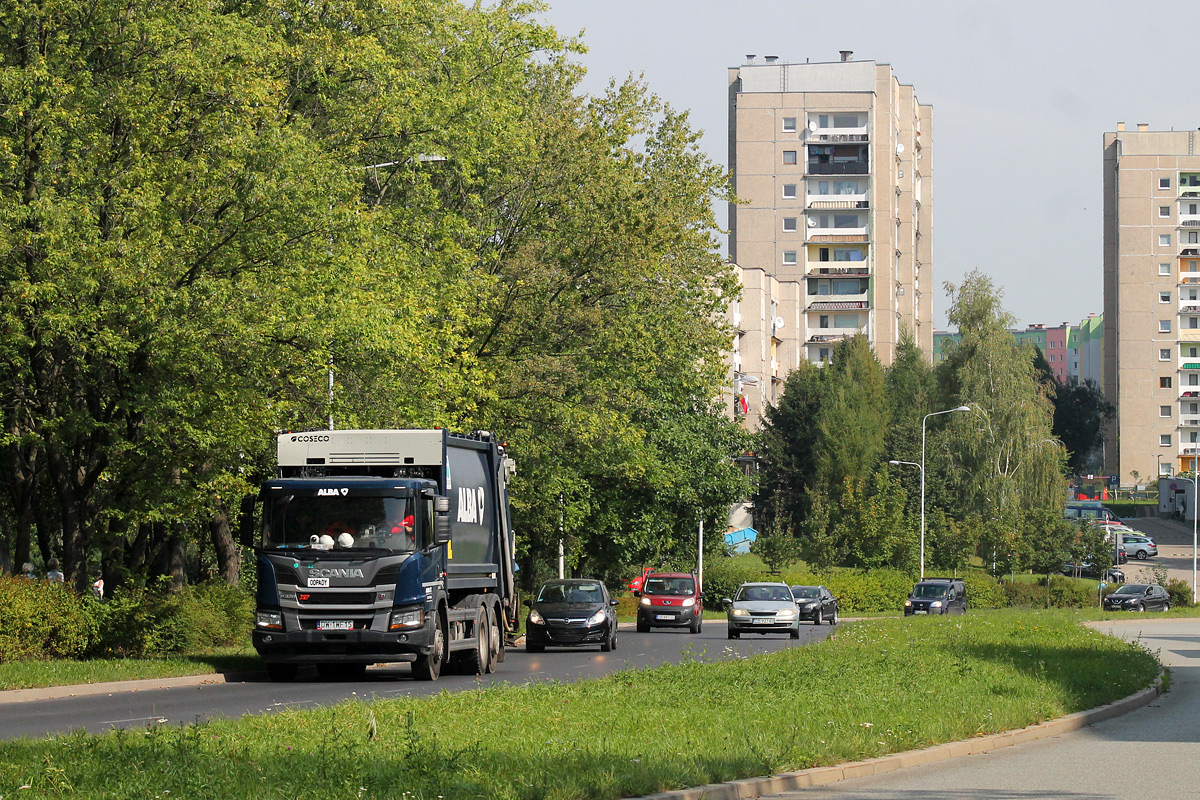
(46, 621)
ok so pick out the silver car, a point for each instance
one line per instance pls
(762, 608)
(1138, 546)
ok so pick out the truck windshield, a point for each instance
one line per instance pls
(339, 523)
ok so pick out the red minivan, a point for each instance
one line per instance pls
(669, 600)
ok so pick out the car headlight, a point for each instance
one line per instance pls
(410, 618)
(269, 619)
(739, 612)
(907, 603)
(535, 618)
(786, 612)
(597, 618)
(936, 604)
(688, 602)
(645, 601)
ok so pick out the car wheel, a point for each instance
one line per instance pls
(609, 641)
(643, 627)
(1141, 555)
(696, 623)
(795, 633)
(833, 619)
(734, 635)
(1141, 607)
(819, 618)
(1166, 607)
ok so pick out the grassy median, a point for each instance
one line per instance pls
(66, 672)
(876, 687)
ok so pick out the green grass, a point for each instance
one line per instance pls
(875, 687)
(37, 674)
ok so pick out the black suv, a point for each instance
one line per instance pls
(937, 596)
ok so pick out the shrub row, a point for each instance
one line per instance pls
(44, 620)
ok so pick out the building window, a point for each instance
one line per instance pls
(789, 190)
(789, 257)
(1192, 352)
(1193, 322)
(1164, 439)
(1164, 297)
(1164, 211)
(1193, 379)
(1164, 355)
(1164, 325)
(823, 354)
(1192, 266)
(1164, 269)
(789, 157)
(789, 124)
(1164, 239)
(1164, 183)
(789, 223)
(1193, 237)
(1164, 382)
(1164, 411)
(823, 321)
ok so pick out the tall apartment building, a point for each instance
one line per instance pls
(833, 164)
(1152, 300)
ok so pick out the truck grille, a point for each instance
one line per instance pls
(336, 598)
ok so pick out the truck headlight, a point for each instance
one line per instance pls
(597, 618)
(272, 620)
(535, 618)
(412, 618)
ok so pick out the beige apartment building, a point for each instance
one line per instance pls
(1152, 300)
(833, 164)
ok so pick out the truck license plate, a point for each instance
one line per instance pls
(318, 583)
(335, 625)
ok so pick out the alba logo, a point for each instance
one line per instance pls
(332, 492)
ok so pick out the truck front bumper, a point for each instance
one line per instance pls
(363, 646)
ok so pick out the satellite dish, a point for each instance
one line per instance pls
(899, 148)
(778, 323)
(812, 126)
(812, 223)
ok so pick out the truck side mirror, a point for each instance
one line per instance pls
(441, 529)
(246, 521)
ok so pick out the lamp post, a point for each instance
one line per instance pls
(921, 466)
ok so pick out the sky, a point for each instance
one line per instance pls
(1022, 93)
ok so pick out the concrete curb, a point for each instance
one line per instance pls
(819, 776)
(10, 696)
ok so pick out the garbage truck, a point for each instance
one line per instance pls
(383, 546)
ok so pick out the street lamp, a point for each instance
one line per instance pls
(921, 466)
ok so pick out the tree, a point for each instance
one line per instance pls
(1004, 463)
(1080, 416)
(787, 450)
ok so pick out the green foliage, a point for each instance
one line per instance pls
(42, 620)
(1180, 592)
(1062, 592)
(983, 591)
(856, 590)
(46, 620)
(1080, 414)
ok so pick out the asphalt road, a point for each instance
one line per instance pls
(1153, 752)
(1174, 540)
(257, 695)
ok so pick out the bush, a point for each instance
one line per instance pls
(1062, 593)
(42, 620)
(1180, 592)
(857, 590)
(984, 591)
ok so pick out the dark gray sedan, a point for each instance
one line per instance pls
(816, 603)
(1138, 597)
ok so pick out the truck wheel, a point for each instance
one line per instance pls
(696, 624)
(281, 673)
(429, 668)
(475, 661)
(495, 646)
(642, 627)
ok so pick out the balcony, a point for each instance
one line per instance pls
(842, 168)
(857, 135)
(1189, 422)
(814, 272)
(833, 335)
(825, 202)
(1190, 393)
(840, 305)
(1189, 307)
(1189, 335)
(1190, 252)
(1189, 221)
(1189, 278)
(837, 236)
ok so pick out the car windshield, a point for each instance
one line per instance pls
(339, 523)
(1132, 588)
(681, 587)
(927, 590)
(805, 592)
(571, 593)
(764, 594)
